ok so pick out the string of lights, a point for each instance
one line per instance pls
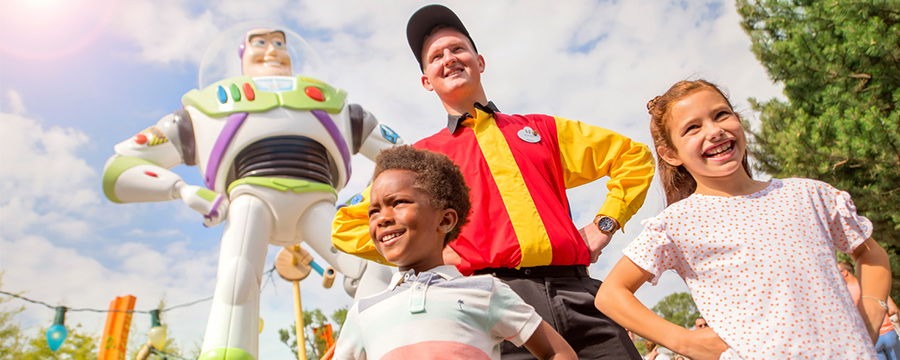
(104, 311)
(57, 333)
(268, 278)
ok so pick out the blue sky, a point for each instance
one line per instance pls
(79, 76)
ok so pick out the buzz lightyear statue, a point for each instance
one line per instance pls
(274, 149)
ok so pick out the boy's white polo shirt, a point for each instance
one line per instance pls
(435, 314)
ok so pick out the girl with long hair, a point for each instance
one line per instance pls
(758, 256)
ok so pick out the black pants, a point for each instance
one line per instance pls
(564, 297)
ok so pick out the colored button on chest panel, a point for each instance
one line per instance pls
(220, 93)
(248, 91)
(314, 93)
(235, 92)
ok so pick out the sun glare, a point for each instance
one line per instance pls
(43, 4)
(48, 29)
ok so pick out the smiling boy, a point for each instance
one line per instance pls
(419, 202)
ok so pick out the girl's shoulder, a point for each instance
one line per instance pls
(811, 186)
(802, 182)
(678, 212)
(689, 204)
(812, 191)
(702, 205)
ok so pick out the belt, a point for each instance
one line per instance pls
(537, 271)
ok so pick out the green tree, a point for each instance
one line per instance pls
(338, 317)
(839, 62)
(78, 346)
(16, 344)
(678, 308)
(315, 347)
(11, 339)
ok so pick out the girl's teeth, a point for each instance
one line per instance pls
(720, 149)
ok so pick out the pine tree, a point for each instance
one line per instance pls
(839, 62)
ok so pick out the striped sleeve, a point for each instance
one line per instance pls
(512, 318)
(350, 342)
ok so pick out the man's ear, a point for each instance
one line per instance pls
(426, 83)
(480, 63)
(668, 155)
(449, 218)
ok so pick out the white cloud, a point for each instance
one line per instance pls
(152, 234)
(166, 31)
(43, 183)
(16, 105)
(53, 214)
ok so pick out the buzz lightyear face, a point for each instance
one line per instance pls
(265, 54)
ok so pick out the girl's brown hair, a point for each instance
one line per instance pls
(677, 182)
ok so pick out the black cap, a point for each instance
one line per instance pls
(426, 19)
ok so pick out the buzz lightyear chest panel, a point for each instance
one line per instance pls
(259, 94)
(222, 134)
(220, 142)
(295, 157)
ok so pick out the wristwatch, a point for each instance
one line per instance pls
(607, 224)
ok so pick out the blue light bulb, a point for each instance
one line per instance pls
(56, 335)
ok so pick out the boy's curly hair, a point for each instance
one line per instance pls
(439, 177)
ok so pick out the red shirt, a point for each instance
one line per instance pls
(518, 168)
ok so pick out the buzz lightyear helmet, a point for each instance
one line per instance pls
(222, 59)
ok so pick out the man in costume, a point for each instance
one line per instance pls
(519, 167)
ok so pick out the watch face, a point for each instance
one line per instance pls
(606, 224)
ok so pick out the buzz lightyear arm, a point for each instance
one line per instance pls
(370, 136)
(139, 171)
(350, 229)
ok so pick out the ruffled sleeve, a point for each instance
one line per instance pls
(848, 229)
(653, 250)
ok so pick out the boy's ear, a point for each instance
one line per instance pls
(449, 218)
(668, 155)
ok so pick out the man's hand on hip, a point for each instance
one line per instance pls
(595, 239)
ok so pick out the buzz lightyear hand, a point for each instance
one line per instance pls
(212, 205)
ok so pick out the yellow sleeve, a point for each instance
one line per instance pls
(589, 153)
(350, 231)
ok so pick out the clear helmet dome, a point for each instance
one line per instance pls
(222, 60)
